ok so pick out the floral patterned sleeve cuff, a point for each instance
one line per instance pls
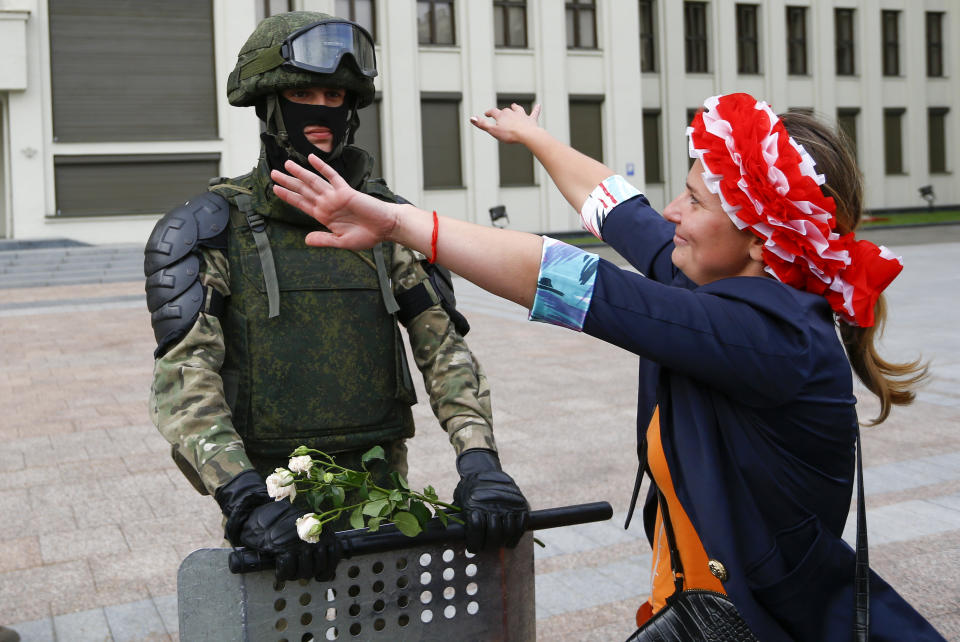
(606, 196)
(565, 285)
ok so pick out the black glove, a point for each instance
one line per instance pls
(494, 509)
(256, 521)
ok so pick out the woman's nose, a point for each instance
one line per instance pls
(672, 212)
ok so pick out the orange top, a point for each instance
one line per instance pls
(692, 554)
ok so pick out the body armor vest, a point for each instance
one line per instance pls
(330, 370)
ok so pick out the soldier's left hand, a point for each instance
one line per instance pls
(494, 509)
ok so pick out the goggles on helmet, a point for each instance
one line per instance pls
(319, 48)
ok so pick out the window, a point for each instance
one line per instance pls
(586, 126)
(937, 139)
(748, 43)
(581, 24)
(648, 37)
(123, 184)
(516, 161)
(934, 44)
(510, 23)
(104, 90)
(691, 112)
(893, 140)
(266, 8)
(363, 12)
(435, 25)
(843, 26)
(797, 41)
(652, 163)
(440, 134)
(891, 42)
(695, 36)
(368, 135)
(847, 124)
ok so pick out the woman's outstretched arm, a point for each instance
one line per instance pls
(504, 262)
(575, 174)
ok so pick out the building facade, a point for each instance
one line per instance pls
(114, 111)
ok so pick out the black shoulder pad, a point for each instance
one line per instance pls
(171, 281)
(174, 318)
(202, 220)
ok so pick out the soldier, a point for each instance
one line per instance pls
(265, 344)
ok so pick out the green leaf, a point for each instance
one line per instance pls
(374, 524)
(395, 496)
(407, 523)
(363, 492)
(315, 501)
(338, 495)
(300, 450)
(378, 494)
(391, 506)
(442, 517)
(399, 481)
(374, 508)
(420, 511)
(356, 517)
(430, 493)
(374, 453)
(353, 477)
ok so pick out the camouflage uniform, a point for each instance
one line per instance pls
(189, 405)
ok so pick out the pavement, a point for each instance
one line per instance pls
(95, 518)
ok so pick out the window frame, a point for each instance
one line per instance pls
(748, 44)
(577, 6)
(845, 40)
(888, 152)
(890, 42)
(456, 100)
(516, 151)
(696, 45)
(849, 133)
(934, 46)
(647, 116)
(588, 99)
(648, 36)
(941, 167)
(433, 23)
(797, 43)
(504, 6)
(352, 16)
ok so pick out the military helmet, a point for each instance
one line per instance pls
(248, 84)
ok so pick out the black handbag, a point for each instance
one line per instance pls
(691, 615)
(695, 615)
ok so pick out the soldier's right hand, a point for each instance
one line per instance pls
(256, 521)
(272, 529)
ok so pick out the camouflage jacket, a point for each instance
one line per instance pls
(189, 407)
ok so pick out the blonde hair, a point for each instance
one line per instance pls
(892, 383)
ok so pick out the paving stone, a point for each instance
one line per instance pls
(82, 544)
(36, 630)
(23, 552)
(134, 622)
(85, 626)
(166, 606)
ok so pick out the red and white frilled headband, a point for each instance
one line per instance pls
(767, 183)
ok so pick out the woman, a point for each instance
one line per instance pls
(734, 315)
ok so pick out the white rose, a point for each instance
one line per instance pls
(301, 464)
(280, 485)
(305, 524)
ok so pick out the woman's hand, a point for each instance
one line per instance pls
(510, 125)
(356, 221)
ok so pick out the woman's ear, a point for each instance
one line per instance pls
(756, 249)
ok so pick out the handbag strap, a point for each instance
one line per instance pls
(861, 621)
(861, 581)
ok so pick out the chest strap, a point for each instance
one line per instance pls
(385, 290)
(259, 228)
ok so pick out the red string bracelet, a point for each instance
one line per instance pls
(433, 239)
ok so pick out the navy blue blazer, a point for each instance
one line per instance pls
(758, 424)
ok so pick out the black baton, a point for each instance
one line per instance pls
(389, 538)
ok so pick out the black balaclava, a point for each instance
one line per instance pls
(295, 146)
